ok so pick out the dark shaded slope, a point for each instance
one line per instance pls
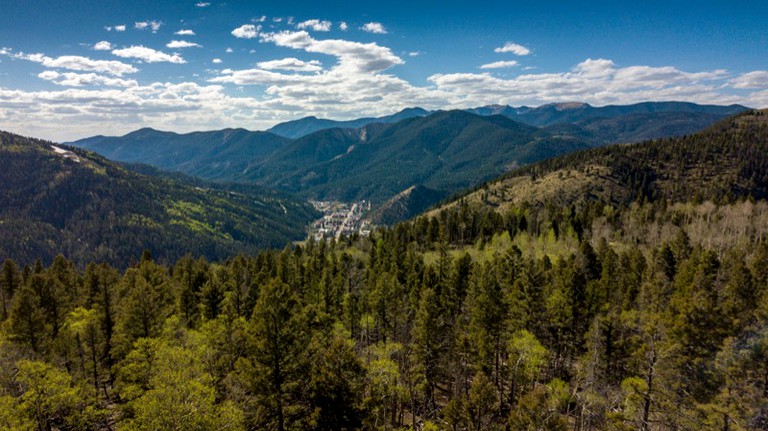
(75, 203)
(215, 155)
(445, 151)
(406, 204)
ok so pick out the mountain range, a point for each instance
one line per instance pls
(726, 162)
(379, 158)
(302, 127)
(57, 199)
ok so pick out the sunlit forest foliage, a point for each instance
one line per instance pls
(471, 320)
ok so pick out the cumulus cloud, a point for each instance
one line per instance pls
(216, 61)
(499, 64)
(69, 113)
(374, 27)
(414, 53)
(343, 26)
(71, 79)
(353, 57)
(597, 81)
(315, 24)
(229, 50)
(513, 48)
(246, 31)
(148, 55)
(756, 79)
(185, 33)
(102, 46)
(356, 83)
(202, 4)
(292, 64)
(120, 27)
(143, 25)
(74, 62)
(182, 44)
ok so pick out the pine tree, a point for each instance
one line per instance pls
(28, 319)
(277, 369)
(10, 281)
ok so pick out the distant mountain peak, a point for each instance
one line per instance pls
(296, 129)
(570, 105)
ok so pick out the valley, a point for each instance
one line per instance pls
(381, 159)
(543, 298)
(383, 216)
(341, 219)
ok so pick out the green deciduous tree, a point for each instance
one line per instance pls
(180, 396)
(50, 398)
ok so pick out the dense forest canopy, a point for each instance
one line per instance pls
(61, 200)
(505, 323)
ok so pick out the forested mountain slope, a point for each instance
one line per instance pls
(379, 159)
(613, 289)
(445, 151)
(726, 162)
(61, 200)
(575, 112)
(215, 155)
(305, 126)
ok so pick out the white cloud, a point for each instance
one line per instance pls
(142, 25)
(513, 48)
(414, 53)
(71, 79)
(315, 24)
(756, 79)
(182, 44)
(229, 50)
(148, 54)
(353, 57)
(597, 81)
(202, 4)
(102, 46)
(185, 33)
(74, 62)
(374, 27)
(107, 28)
(343, 26)
(120, 27)
(260, 19)
(71, 113)
(292, 64)
(355, 82)
(499, 64)
(246, 31)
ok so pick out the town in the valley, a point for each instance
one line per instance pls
(341, 219)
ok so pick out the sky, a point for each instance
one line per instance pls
(72, 69)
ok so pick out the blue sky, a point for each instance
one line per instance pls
(80, 68)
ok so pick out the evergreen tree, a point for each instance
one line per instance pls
(277, 368)
(28, 320)
(10, 281)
